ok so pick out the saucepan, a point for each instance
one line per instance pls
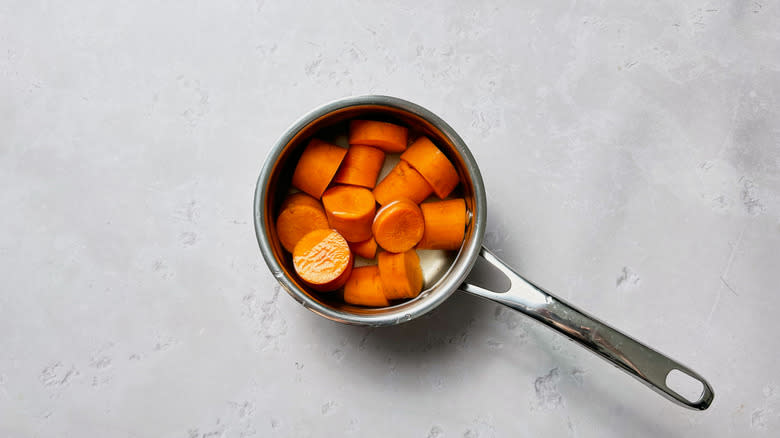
(635, 358)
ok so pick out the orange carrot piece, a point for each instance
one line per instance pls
(366, 248)
(398, 226)
(361, 166)
(317, 166)
(300, 214)
(386, 136)
(300, 198)
(322, 259)
(402, 182)
(433, 165)
(364, 288)
(401, 274)
(445, 224)
(350, 210)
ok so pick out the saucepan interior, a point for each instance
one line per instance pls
(329, 122)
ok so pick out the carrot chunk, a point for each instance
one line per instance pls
(398, 226)
(433, 165)
(300, 214)
(402, 182)
(445, 224)
(350, 211)
(317, 166)
(322, 259)
(361, 166)
(364, 288)
(386, 136)
(366, 248)
(401, 274)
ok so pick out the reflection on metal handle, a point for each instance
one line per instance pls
(640, 361)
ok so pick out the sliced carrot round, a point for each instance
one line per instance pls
(322, 259)
(445, 224)
(317, 166)
(361, 166)
(364, 288)
(398, 226)
(401, 274)
(366, 248)
(300, 214)
(433, 165)
(386, 136)
(350, 210)
(402, 182)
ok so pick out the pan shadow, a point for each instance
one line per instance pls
(376, 356)
(432, 338)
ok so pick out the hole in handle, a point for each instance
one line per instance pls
(487, 276)
(684, 384)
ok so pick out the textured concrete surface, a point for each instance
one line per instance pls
(631, 151)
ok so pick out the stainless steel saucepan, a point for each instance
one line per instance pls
(638, 360)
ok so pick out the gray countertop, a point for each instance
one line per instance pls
(631, 154)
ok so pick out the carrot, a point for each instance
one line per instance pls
(322, 259)
(445, 224)
(300, 198)
(433, 165)
(350, 211)
(401, 274)
(364, 288)
(366, 248)
(398, 226)
(386, 136)
(402, 182)
(361, 166)
(300, 214)
(317, 166)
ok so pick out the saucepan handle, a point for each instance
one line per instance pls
(640, 361)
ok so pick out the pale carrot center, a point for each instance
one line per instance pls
(325, 260)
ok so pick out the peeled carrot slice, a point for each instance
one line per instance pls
(361, 166)
(401, 274)
(445, 224)
(433, 165)
(398, 226)
(386, 136)
(364, 288)
(366, 248)
(322, 259)
(317, 166)
(350, 211)
(402, 182)
(300, 214)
